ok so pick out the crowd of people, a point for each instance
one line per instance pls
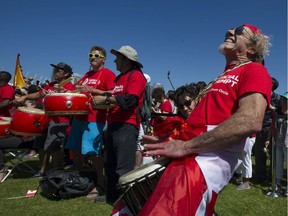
(209, 131)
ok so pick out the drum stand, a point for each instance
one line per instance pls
(273, 192)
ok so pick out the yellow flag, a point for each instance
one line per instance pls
(18, 76)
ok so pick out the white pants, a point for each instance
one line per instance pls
(245, 167)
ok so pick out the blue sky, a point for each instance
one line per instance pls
(180, 36)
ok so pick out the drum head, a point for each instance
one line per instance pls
(4, 122)
(143, 170)
(31, 110)
(5, 119)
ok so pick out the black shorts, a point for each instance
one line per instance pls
(54, 139)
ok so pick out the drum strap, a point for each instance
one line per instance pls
(90, 100)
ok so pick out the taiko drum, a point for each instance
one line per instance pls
(27, 121)
(66, 104)
(5, 127)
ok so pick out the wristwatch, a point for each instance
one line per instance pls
(107, 100)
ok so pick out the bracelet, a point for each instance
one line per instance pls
(107, 100)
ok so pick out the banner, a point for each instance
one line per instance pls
(18, 76)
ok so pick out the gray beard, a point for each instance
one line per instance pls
(221, 49)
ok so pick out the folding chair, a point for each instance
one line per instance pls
(14, 149)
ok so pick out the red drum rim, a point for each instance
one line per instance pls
(6, 129)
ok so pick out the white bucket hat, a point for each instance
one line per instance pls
(148, 78)
(128, 52)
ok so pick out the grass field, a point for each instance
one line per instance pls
(231, 202)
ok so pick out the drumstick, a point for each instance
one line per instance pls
(63, 82)
(76, 91)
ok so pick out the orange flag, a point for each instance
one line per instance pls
(18, 76)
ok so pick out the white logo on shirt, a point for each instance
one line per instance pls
(88, 81)
(118, 89)
(233, 79)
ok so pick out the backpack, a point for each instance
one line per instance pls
(65, 184)
(145, 111)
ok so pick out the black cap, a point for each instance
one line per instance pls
(63, 66)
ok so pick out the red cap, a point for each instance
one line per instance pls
(253, 28)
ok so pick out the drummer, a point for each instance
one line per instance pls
(7, 94)
(51, 144)
(123, 119)
(86, 131)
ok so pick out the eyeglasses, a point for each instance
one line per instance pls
(92, 55)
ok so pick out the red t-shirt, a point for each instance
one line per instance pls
(50, 89)
(157, 122)
(135, 86)
(102, 80)
(6, 92)
(223, 98)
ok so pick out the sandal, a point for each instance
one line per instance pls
(92, 194)
(97, 191)
(3, 174)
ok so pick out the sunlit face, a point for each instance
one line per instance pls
(236, 40)
(96, 59)
(187, 107)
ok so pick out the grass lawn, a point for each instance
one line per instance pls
(230, 201)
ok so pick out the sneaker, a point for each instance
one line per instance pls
(243, 186)
(239, 180)
(278, 186)
(100, 199)
(31, 155)
(285, 194)
(38, 175)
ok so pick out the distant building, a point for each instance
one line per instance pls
(76, 77)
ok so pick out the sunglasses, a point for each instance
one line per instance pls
(238, 31)
(92, 55)
(187, 103)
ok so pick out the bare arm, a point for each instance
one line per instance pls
(33, 96)
(245, 121)
(92, 90)
(5, 103)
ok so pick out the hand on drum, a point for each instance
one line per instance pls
(99, 99)
(59, 89)
(171, 148)
(19, 101)
(84, 88)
